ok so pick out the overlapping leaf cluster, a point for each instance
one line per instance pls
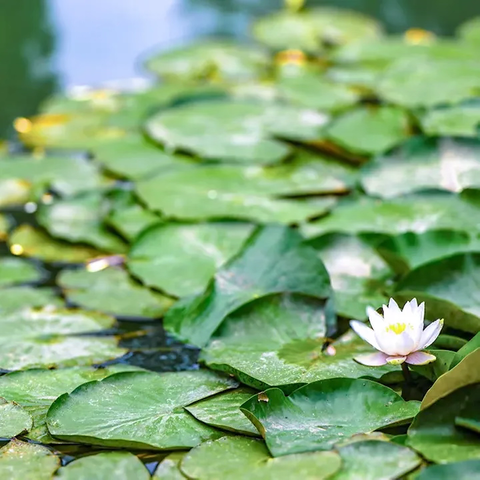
(255, 198)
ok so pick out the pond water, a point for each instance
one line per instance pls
(46, 45)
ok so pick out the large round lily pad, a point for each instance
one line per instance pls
(19, 298)
(112, 291)
(181, 258)
(456, 120)
(137, 410)
(323, 413)
(105, 466)
(14, 420)
(15, 270)
(466, 470)
(240, 458)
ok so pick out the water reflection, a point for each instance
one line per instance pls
(26, 48)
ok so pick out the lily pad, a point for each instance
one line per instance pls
(241, 458)
(449, 287)
(369, 130)
(19, 298)
(237, 132)
(169, 468)
(414, 213)
(14, 192)
(80, 219)
(181, 259)
(434, 434)
(137, 410)
(423, 164)
(14, 420)
(358, 274)
(15, 270)
(456, 120)
(35, 390)
(321, 414)
(105, 466)
(375, 460)
(46, 337)
(223, 411)
(224, 61)
(27, 461)
(278, 341)
(470, 31)
(459, 470)
(31, 242)
(310, 29)
(112, 291)
(273, 260)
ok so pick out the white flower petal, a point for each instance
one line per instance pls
(420, 358)
(376, 359)
(421, 312)
(417, 325)
(396, 360)
(402, 344)
(430, 334)
(365, 332)
(376, 320)
(393, 305)
(392, 313)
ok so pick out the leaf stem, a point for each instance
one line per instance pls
(406, 373)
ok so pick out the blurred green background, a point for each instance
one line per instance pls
(47, 45)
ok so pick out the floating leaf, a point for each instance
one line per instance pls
(14, 420)
(112, 291)
(107, 465)
(137, 410)
(422, 164)
(457, 120)
(14, 192)
(32, 242)
(241, 458)
(19, 298)
(181, 259)
(235, 131)
(433, 432)
(210, 60)
(459, 470)
(132, 220)
(223, 411)
(15, 270)
(369, 130)
(278, 341)
(358, 274)
(35, 390)
(450, 289)
(45, 337)
(273, 260)
(27, 461)
(323, 413)
(169, 468)
(375, 460)
(470, 30)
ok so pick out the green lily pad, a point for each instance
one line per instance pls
(309, 30)
(169, 468)
(411, 250)
(224, 61)
(456, 120)
(14, 420)
(414, 213)
(241, 458)
(31, 242)
(439, 367)
(465, 373)
(223, 411)
(466, 349)
(358, 274)
(137, 410)
(16, 270)
(80, 219)
(112, 291)
(369, 130)
(181, 259)
(47, 338)
(321, 414)
(35, 390)
(423, 164)
(14, 192)
(375, 460)
(19, 298)
(470, 31)
(459, 470)
(434, 434)
(273, 260)
(27, 461)
(449, 287)
(105, 466)
(423, 82)
(278, 341)
(237, 132)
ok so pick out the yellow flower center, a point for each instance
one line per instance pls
(397, 328)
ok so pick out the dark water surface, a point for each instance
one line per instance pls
(47, 45)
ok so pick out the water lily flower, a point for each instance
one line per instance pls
(398, 335)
